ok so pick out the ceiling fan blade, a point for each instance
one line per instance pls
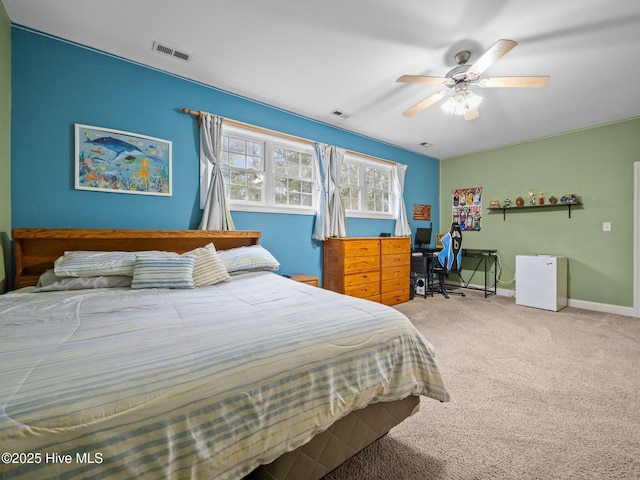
(425, 103)
(491, 56)
(517, 82)
(471, 114)
(422, 79)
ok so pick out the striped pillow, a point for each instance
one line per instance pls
(208, 269)
(163, 271)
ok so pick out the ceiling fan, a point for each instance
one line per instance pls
(458, 80)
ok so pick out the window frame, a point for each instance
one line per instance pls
(363, 162)
(270, 140)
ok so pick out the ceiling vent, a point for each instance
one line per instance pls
(341, 114)
(167, 50)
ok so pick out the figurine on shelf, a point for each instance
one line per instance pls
(553, 200)
(519, 202)
(494, 204)
(532, 198)
(569, 199)
(507, 203)
(540, 198)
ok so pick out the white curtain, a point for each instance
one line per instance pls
(321, 227)
(330, 215)
(216, 215)
(402, 222)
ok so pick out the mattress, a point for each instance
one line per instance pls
(202, 383)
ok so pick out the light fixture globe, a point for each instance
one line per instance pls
(461, 101)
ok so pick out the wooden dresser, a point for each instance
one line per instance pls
(377, 269)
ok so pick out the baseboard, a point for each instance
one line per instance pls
(602, 307)
(597, 307)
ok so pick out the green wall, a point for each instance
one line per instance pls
(596, 163)
(5, 144)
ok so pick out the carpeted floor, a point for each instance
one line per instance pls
(535, 395)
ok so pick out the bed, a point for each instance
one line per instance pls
(256, 376)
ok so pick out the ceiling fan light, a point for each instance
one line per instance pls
(461, 102)
(473, 100)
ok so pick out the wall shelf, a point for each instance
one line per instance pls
(547, 206)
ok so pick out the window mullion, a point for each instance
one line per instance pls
(269, 171)
(363, 188)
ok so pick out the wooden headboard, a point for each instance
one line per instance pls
(37, 248)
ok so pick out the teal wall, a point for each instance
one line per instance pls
(596, 163)
(5, 147)
(56, 84)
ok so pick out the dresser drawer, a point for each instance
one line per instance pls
(395, 259)
(358, 264)
(395, 245)
(360, 248)
(365, 290)
(361, 277)
(396, 284)
(395, 297)
(391, 273)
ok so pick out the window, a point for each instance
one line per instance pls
(292, 177)
(242, 162)
(366, 187)
(265, 172)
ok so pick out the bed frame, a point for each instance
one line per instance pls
(36, 249)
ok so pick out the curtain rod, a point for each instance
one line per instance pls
(279, 134)
(248, 126)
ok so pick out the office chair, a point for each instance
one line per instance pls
(449, 259)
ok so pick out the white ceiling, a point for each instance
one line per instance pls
(313, 57)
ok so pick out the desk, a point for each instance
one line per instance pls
(422, 267)
(482, 257)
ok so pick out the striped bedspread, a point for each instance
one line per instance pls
(205, 383)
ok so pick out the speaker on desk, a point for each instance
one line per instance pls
(420, 286)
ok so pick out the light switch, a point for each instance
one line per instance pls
(606, 226)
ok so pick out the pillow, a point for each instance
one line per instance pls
(208, 269)
(242, 259)
(49, 282)
(163, 271)
(93, 264)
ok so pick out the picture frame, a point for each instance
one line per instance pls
(115, 161)
(421, 212)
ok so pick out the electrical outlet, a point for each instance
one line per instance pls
(606, 226)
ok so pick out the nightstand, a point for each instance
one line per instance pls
(303, 278)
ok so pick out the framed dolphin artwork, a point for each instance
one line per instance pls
(108, 160)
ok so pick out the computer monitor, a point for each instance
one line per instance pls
(423, 237)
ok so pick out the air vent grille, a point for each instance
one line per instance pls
(158, 47)
(341, 114)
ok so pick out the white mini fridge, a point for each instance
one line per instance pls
(541, 281)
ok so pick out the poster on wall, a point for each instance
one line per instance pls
(108, 160)
(467, 208)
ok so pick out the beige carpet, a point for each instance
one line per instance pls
(535, 395)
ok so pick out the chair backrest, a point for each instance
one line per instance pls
(450, 257)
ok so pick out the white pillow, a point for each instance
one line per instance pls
(208, 269)
(50, 282)
(163, 271)
(242, 259)
(93, 264)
